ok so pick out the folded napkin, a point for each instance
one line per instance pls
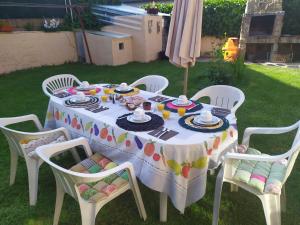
(62, 94)
(96, 109)
(220, 112)
(158, 133)
(158, 99)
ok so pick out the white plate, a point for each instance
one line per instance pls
(214, 121)
(79, 100)
(133, 120)
(175, 102)
(88, 88)
(124, 90)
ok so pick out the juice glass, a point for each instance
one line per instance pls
(166, 114)
(93, 92)
(104, 98)
(160, 107)
(106, 91)
(181, 111)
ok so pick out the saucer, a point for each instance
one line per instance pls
(88, 88)
(131, 118)
(215, 120)
(177, 103)
(79, 100)
(119, 89)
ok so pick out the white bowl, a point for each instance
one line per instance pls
(204, 117)
(139, 114)
(182, 99)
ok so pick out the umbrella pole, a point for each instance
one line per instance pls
(185, 84)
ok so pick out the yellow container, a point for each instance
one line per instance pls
(231, 49)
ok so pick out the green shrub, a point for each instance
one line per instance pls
(103, 2)
(89, 21)
(292, 17)
(223, 72)
(162, 7)
(28, 26)
(219, 16)
(223, 16)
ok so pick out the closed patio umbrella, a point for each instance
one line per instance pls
(184, 40)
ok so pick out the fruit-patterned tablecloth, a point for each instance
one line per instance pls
(177, 167)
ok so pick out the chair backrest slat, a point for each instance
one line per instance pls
(222, 96)
(59, 82)
(154, 83)
(294, 152)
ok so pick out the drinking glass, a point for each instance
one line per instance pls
(104, 98)
(93, 92)
(106, 91)
(181, 111)
(166, 114)
(160, 107)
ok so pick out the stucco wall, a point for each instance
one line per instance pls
(209, 44)
(24, 49)
(146, 42)
(105, 49)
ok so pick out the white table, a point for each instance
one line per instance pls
(176, 168)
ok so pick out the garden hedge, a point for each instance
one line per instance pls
(291, 17)
(222, 17)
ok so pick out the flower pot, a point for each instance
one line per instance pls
(6, 28)
(153, 11)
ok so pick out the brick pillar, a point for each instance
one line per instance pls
(245, 26)
(277, 28)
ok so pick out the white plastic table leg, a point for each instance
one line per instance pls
(33, 177)
(271, 205)
(217, 198)
(58, 204)
(283, 199)
(234, 188)
(13, 167)
(163, 207)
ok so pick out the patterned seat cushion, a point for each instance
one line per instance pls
(30, 145)
(97, 191)
(266, 177)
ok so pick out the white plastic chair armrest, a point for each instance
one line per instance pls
(238, 104)
(261, 158)
(57, 148)
(20, 119)
(266, 130)
(41, 134)
(46, 151)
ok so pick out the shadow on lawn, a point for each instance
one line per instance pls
(272, 99)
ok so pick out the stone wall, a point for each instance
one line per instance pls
(22, 49)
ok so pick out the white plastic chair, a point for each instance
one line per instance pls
(272, 203)
(58, 83)
(154, 83)
(33, 163)
(67, 181)
(222, 96)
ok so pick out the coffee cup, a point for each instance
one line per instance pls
(123, 86)
(182, 99)
(205, 116)
(139, 114)
(80, 96)
(85, 84)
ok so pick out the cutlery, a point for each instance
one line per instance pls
(92, 107)
(160, 132)
(164, 132)
(122, 117)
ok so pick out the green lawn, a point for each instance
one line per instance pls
(272, 99)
